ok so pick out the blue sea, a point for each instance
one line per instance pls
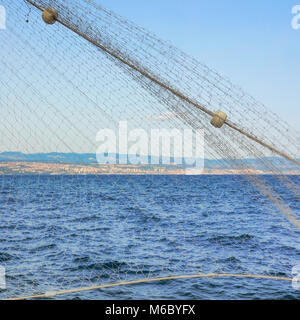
(62, 232)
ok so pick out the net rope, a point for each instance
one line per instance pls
(142, 281)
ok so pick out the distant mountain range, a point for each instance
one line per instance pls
(53, 157)
(91, 159)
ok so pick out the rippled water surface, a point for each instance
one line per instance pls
(61, 232)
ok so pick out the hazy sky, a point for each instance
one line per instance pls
(251, 41)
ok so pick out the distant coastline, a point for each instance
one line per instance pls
(39, 168)
(16, 163)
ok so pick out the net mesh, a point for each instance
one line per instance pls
(88, 71)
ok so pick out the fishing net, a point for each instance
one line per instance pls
(68, 227)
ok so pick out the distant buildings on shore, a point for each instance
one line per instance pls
(44, 168)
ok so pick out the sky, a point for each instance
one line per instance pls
(252, 42)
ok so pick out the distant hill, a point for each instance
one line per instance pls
(53, 157)
(90, 159)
